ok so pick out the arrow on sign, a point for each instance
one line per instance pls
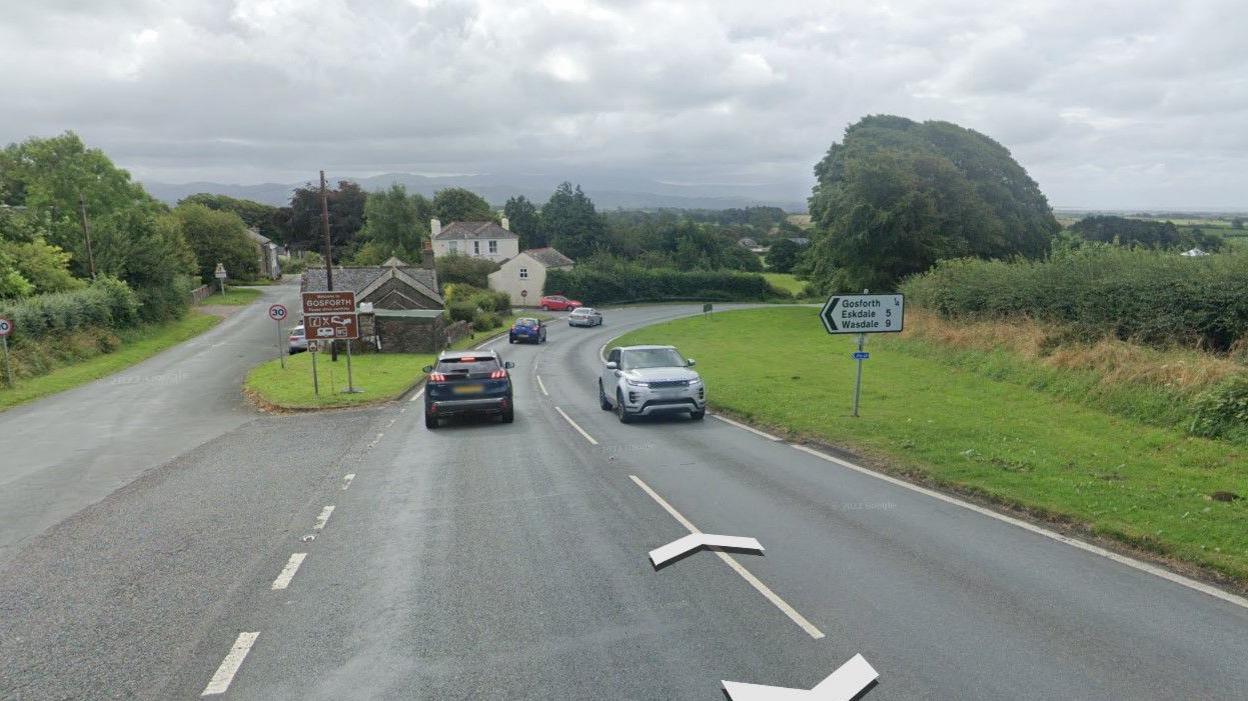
(846, 683)
(829, 323)
(693, 541)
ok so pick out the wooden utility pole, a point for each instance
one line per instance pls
(86, 231)
(329, 256)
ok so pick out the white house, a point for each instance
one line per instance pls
(524, 276)
(479, 239)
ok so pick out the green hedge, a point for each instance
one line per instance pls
(107, 302)
(634, 283)
(1152, 297)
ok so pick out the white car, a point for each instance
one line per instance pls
(650, 380)
(585, 316)
(298, 340)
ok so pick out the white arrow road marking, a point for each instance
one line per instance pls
(842, 685)
(346, 480)
(693, 541)
(220, 681)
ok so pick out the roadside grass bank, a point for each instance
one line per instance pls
(234, 296)
(1151, 488)
(786, 282)
(51, 365)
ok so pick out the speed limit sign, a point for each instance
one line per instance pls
(6, 326)
(277, 312)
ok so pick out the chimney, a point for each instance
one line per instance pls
(506, 224)
(435, 227)
(426, 254)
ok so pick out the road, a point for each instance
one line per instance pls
(490, 561)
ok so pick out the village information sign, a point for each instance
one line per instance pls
(864, 313)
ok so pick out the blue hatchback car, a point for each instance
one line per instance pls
(527, 329)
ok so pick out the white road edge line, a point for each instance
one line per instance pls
(323, 518)
(743, 427)
(346, 480)
(755, 582)
(220, 681)
(576, 426)
(1073, 542)
(418, 395)
(288, 572)
(542, 385)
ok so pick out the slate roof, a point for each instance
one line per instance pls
(461, 230)
(549, 257)
(359, 278)
(255, 235)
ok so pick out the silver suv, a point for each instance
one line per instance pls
(649, 380)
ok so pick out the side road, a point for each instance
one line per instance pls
(73, 449)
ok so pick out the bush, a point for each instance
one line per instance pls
(484, 321)
(627, 282)
(1152, 297)
(466, 269)
(486, 300)
(461, 311)
(106, 302)
(1222, 412)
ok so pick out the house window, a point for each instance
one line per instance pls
(454, 247)
(493, 247)
(524, 273)
(476, 248)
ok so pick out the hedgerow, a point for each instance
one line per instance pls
(107, 302)
(626, 283)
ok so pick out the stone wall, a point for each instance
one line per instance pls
(411, 334)
(458, 330)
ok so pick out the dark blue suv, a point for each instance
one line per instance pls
(527, 329)
(468, 382)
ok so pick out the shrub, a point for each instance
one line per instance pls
(461, 268)
(1222, 412)
(1153, 297)
(627, 282)
(484, 321)
(461, 311)
(106, 302)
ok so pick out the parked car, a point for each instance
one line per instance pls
(298, 340)
(585, 316)
(558, 303)
(650, 380)
(527, 329)
(468, 383)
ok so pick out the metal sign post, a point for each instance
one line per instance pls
(6, 328)
(351, 388)
(316, 385)
(277, 313)
(863, 314)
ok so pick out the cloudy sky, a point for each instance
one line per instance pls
(1138, 103)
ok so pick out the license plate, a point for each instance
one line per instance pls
(467, 389)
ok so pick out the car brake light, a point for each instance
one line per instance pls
(498, 375)
(437, 377)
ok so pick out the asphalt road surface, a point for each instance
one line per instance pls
(491, 561)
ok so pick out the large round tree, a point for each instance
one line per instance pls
(896, 196)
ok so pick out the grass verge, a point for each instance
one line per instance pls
(1146, 486)
(786, 282)
(234, 296)
(382, 376)
(136, 346)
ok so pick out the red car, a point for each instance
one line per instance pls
(558, 303)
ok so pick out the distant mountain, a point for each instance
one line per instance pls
(606, 192)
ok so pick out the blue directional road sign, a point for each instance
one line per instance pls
(861, 355)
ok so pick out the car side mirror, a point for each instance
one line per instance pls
(509, 365)
(691, 362)
(427, 368)
(612, 365)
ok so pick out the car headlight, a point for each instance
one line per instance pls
(695, 382)
(636, 383)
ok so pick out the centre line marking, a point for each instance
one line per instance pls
(220, 681)
(742, 426)
(737, 567)
(418, 395)
(576, 426)
(346, 481)
(323, 518)
(288, 572)
(542, 385)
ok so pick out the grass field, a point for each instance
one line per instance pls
(1146, 486)
(786, 282)
(234, 296)
(136, 345)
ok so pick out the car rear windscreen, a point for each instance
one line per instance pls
(526, 322)
(469, 365)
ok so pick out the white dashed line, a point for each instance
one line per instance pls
(346, 481)
(737, 567)
(1087, 547)
(323, 518)
(576, 426)
(743, 427)
(418, 395)
(288, 572)
(542, 385)
(220, 681)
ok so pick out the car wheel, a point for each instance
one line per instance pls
(509, 416)
(431, 422)
(620, 411)
(545, 308)
(511, 339)
(602, 398)
(697, 415)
